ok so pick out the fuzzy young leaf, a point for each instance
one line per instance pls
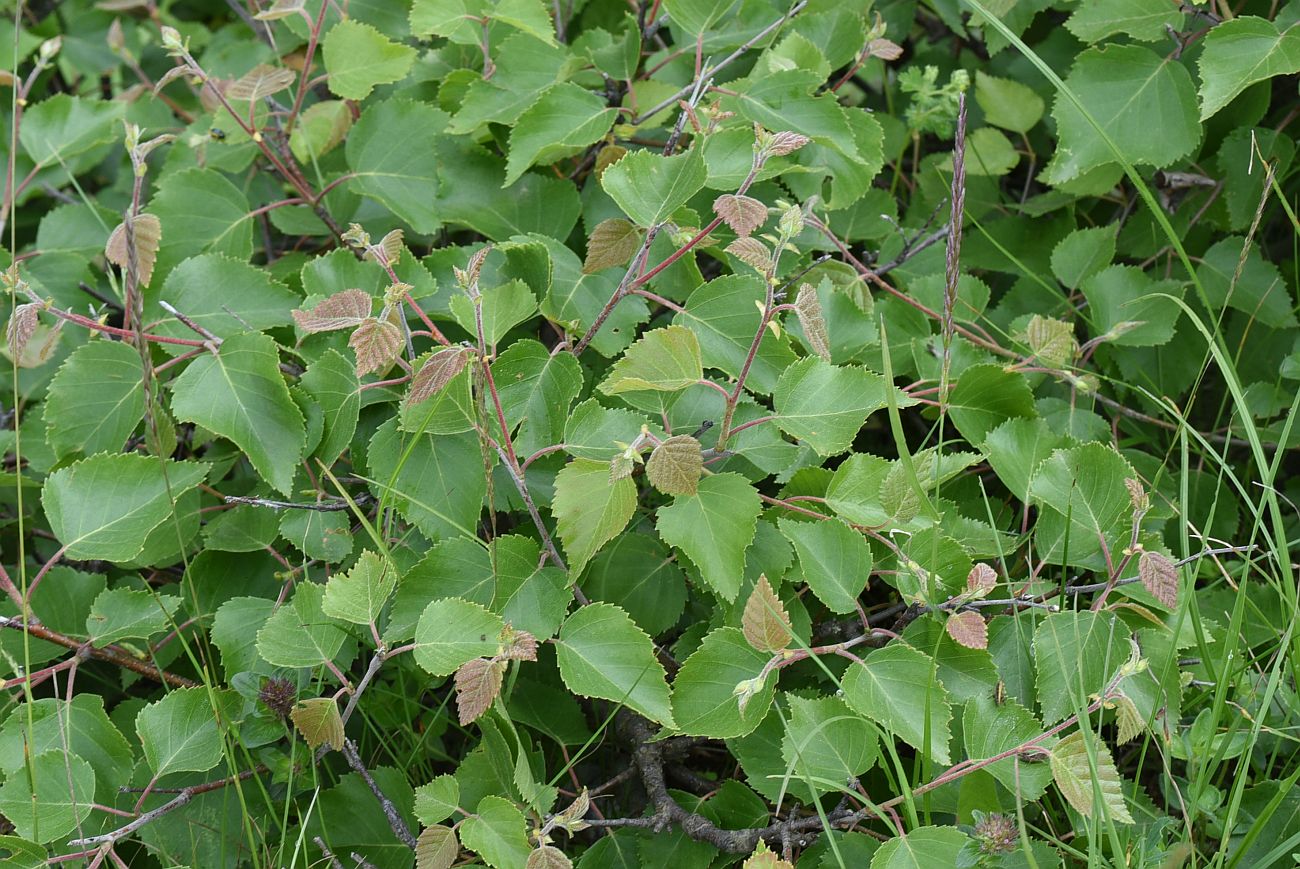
(261, 82)
(146, 230)
(981, 580)
(345, 310)
(969, 629)
(1074, 776)
(602, 653)
(436, 372)
(1160, 577)
(436, 848)
(743, 214)
(752, 253)
(808, 308)
(21, 328)
(612, 243)
(1051, 340)
(319, 722)
(478, 682)
(765, 622)
(548, 857)
(377, 345)
(675, 466)
(280, 9)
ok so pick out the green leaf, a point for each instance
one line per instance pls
(1239, 53)
(536, 388)
(437, 483)
(179, 732)
(225, 296)
(437, 801)
(826, 745)
(80, 727)
(987, 396)
(105, 506)
(576, 299)
(358, 57)
(319, 722)
(921, 848)
(404, 179)
(1124, 87)
(990, 729)
(96, 399)
(1073, 771)
(1075, 653)
(1123, 301)
(637, 572)
(358, 596)
(320, 128)
(714, 527)
(1082, 254)
(565, 119)
(825, 405)
(1147, 20)
(724, 316)
(299, 634)
(1084, 501)
(497, 832)
(696, 16)
(51, 798)
(124, 613)
(705, 702)
(504, 307)
(590, 509)
(1008, 104)
(526, 67)
(325, 536)
(200, 211)
(835, 560)
(603, 654)
(332, 383)
(452, 631)
(1260, 291)
(650, 187)
(1015, 449)
(239, 393)
(898, 687)
(60, 128)
(663, 360)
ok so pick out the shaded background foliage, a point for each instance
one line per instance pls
(455, 431)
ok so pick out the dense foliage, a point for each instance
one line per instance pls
(675, 433)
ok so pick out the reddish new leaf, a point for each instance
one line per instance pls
(1160, 577)
(437, 372)
(743, 214)
(478, 682)
(808, 307)
(344, 310)
(982, 579)
(613, 242)
(376, 344)
(968, 629)
(752, 252)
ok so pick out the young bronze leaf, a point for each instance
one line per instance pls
(437, 372)
(613, 242)
(319, 722)
(752, 252)
(786, 142)
(968, 629)
(548, 857)
(376, 344)
(436, 848)
(1160, 576)
(478, 682)
(981, 580)
(344, 310)
(22, 325)
(1073, 774)
(765, 622)
(147, 231)
(260, 82)
(571, 819)
(518, 645)
(675, 466)
(808, 307)
(743, 214)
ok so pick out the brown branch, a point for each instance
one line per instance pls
(108, 653)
